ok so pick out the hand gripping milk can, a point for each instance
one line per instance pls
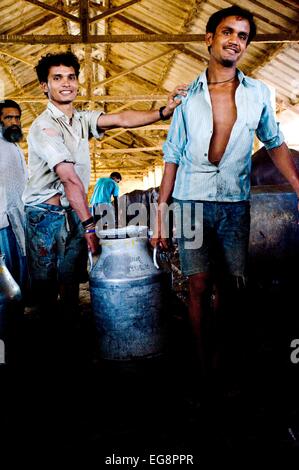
(129, 295)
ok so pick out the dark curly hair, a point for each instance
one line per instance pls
(49, 60)
(217, 17)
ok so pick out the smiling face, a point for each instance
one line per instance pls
(62, 85)
(229, 41)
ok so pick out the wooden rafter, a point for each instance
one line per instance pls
(54, 10)
(113, 11)
(97, 99)
(121, 130)
(13, 79)
(146, 30)
(17, 57)
(84, 21)
(40, 21)
(168, 65)
(132, 69)
(88, 72)
(274, 12)
(134, 38)
(131, 150)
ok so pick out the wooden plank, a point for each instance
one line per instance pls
(17, 57)
(121, 130)
(97, 99)
(132, 69)
(131, 150)
(88, 72)
(113, 11)
(184, 38)
(134, 38)
(54, 10)
(84, 21)
(147, 30)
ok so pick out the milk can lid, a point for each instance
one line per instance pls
(131, 231)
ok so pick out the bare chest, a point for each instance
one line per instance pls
(224, 116)
(224, 108)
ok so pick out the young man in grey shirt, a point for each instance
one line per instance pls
(59, 226)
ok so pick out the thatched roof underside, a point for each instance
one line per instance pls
(132, 54)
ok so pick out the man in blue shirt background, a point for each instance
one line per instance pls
(103, 191)
(207, 158)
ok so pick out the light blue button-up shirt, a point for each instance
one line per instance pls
(103, 190)
(190, 134)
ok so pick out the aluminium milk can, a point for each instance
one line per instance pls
(128, 296)
(9, 294)
(274, 231)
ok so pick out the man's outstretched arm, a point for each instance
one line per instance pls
(132, 118)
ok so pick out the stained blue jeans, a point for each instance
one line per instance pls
(56, 252)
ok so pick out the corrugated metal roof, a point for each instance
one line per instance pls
(152, 68)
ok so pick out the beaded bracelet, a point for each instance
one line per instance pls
(87, 222)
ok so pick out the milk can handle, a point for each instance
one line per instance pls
(155, 258)
(92, 260)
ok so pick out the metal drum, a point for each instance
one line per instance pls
(128, 296)
(274, 231)
(9, 294)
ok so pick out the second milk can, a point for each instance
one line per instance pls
(10, 295)
(129, 296)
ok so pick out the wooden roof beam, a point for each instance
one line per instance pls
(84, 21)
(97, 99)
(132, 69)
(88, 71)
(147, 30)
(56, 11)
(135, 38)
(131, 150)
(17, 57)
(113, 11)
(10, 74)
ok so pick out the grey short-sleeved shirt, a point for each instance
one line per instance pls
(53, 139)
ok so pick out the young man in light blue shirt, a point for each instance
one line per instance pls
(208, 162)
(103, 191)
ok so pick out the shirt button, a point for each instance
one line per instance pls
(218, 171)
(206, 154)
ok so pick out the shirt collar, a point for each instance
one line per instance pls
(57, 113)
(201, 80)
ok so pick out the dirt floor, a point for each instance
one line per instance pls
(62, 404)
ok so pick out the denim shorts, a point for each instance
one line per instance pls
(222, 233)
(56, 247)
